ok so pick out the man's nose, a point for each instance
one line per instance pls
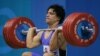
(47, 15)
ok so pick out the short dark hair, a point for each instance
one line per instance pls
(60, 12)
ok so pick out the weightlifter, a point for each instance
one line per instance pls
(53, 41)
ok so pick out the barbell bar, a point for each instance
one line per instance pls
(59, 28)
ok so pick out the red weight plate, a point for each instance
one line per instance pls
(5, 32)
(72, 18)
(66, 27)
(70, 30)
(80, 41)
(10, 35)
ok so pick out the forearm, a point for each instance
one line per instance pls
(62, 41)
(63, 46)
(53, 42)
(29, 38)
(53, 45)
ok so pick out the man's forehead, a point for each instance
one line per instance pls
(51, 10)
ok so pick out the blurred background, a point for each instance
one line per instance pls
(36, 11)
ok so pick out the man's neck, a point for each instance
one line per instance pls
(53, 26)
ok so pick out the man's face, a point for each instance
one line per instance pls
(51, 17)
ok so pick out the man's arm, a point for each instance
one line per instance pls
(54, 41)
(58, 41)
(62, 44)
(61, 40)
(31, 41)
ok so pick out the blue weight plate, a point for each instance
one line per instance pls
(82, 29)
(19, 33)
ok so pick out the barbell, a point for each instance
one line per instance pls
(59, 28)
(38, 30)
(79, 29)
